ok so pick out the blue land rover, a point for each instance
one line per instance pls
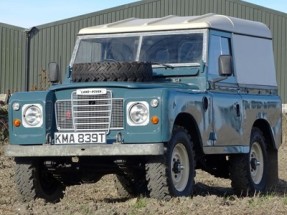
(151, 101)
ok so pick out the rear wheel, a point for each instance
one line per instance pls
(128, 187)
(34, 181)
(131, 182)
(174, 175)
(124, 187)
(248, 172)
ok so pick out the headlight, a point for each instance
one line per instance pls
(32, 115)
(138, 113)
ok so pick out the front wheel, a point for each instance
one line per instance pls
(34, 181)
(248, 172)
(174, 175)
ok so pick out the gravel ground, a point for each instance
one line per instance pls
(212, 196)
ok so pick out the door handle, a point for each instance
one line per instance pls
(237, 109)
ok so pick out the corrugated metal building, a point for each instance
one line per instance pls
(55, 41)
(12, 58)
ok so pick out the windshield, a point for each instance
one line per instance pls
(172, 49)
(166, 49)
(101, 49)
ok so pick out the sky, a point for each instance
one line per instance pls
(29, 13)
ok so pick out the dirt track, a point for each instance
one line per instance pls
(212, 196)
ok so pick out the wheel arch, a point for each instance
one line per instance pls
(272, 151)
(189, 123)
(264, 126)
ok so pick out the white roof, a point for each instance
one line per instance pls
(214, 21)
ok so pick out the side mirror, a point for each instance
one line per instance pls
(53, 69)
(225, 65)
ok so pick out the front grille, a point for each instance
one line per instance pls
(90, 113)
(117, 114)
(64, 115)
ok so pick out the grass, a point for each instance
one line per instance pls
(140, 203)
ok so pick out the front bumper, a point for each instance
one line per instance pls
(84, 150)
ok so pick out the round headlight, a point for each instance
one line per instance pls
(139, 113)
(33, 115)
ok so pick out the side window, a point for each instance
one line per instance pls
(218, 46)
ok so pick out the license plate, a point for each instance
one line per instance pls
(78, 137)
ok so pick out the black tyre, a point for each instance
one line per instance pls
(124, 187)
(248, 172)
(112, 71)
(132, 185)
(33, 182)
(174, 175)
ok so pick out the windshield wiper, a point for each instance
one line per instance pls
(166, 66)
